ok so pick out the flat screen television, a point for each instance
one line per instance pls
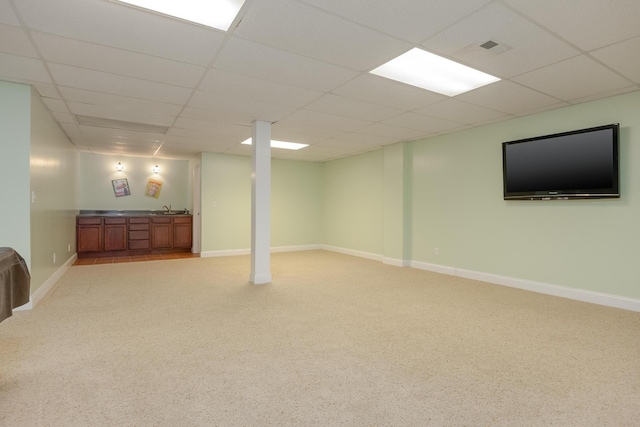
(581, 164)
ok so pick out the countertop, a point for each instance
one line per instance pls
(133, 213)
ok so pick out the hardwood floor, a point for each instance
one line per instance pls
(136, 258)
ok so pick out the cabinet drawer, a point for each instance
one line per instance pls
(161, 220)
(182, 220)
(139, 235)
(138, 220)
(139, 244)
(89, 221)
(135, 227)
(115, 220)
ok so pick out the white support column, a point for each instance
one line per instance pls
(261, 203)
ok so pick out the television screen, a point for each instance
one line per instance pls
(569, 165)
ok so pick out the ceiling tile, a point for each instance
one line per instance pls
(422, 123)
(301, 129)
(572, 79)
(117, 61)
(225, 130)
(339, 105)
(256, 89)
(411, 20)
(588, 24)
(120, 102)
(509, 98)
(63, 117)
(124, 27)
(117, 113)
(81, 78)
(24, 69)
(618, 58)
(6, 14)
(56, 105)
(237, 110)
(527, 45)
(330, 38)
(355, 139)
(251, 59)
(383, 91)
(320, 120)
(14, 40)
(461, 112)
(46, 90)
(395, 132)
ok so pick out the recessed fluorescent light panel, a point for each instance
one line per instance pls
(432, 72)
(212, 13)
(281, 144)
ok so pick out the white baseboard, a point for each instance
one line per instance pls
(237, 252)
(396, 262)
(583, 295)
(433, 267)
(361, 254)
(599, 298)
(296, 248)
(48, 286)
(231, 252)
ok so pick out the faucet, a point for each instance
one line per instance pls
(167, 208)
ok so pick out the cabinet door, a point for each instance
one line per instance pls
(161, 233)
(89, 238)
(181, 234)
(115, 237)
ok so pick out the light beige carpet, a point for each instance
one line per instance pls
(333, 341)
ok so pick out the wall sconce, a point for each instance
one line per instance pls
(119, 167)
(156, 169)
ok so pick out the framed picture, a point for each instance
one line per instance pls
(121, 187)
(153, 188)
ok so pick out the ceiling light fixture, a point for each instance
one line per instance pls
(212, 13)
(426, 70)
(281, 144)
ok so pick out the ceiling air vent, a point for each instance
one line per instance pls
(489, 44)
(495, 47)
(120, 124)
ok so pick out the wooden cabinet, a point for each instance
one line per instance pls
(182, 232)
(139, 237)
(161, 232)
(89, 235)
(123, 235)
(115, 234)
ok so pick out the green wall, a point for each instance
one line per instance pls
(15, 116)
(354, 203)
(585, 244)
(296, 203)
(226, 202)
(98, 170)
(54, 180)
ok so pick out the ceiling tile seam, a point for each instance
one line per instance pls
(137, 52)
(559, 62)
(228, 34)
(377, 30)
(561, 38)
(27, 31)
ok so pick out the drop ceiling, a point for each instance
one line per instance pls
(121, 80)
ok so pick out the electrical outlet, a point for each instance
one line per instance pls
(436, 251)
(54, 257)
(69, 247)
